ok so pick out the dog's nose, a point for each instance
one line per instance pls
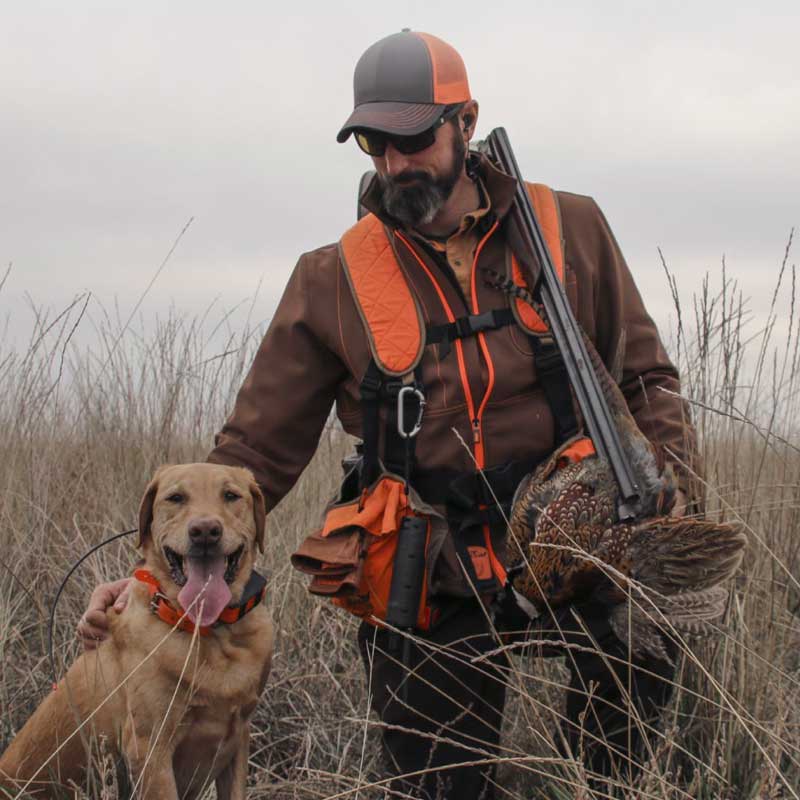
(205, 531)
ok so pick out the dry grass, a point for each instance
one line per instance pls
(86, 426)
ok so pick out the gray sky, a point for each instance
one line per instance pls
(120, 121)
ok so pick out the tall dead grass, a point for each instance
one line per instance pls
(86, 426)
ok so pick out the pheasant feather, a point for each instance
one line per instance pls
(567, 536)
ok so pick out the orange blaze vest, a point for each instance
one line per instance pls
(390, 312)
(396, 332)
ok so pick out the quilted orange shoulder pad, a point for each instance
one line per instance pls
(387, 306)
(546, 208)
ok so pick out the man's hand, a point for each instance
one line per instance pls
(93, 627)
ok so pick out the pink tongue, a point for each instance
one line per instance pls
(205, 590)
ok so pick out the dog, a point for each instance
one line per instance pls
(173, 687)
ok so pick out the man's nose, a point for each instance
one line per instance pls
(395, 161)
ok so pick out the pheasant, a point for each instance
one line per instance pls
(570, 546)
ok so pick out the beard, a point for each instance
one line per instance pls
(415, 197)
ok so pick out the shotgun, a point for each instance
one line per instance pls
(567, 334)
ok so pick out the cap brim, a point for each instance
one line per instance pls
(401, 119)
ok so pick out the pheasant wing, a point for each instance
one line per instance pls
(672, 555)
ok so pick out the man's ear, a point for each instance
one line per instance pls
(259, 514)
(469, 118)
(146, 510)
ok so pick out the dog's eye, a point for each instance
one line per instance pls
(176, 497)
(231, 496)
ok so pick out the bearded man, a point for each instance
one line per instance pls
(440, 211)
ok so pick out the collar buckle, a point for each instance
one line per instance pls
(155, 601)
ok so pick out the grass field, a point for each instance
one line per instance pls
(84, 428)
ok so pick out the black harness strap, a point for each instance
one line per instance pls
(379, 389)
(445, 335)
(370, 391)
(552, 374)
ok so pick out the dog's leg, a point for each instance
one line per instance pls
(150, 766)
(47, 750)
(231, 783)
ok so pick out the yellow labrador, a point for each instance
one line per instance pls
(174, 685)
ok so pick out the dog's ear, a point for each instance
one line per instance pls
(259, 514)
(146, 510)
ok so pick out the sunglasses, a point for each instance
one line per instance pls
(373, 143)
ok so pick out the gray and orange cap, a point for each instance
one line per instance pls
(403, 83)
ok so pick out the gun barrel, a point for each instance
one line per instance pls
(567, 334)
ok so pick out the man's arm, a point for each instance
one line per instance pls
(287, 395)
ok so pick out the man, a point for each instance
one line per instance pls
(443, 211)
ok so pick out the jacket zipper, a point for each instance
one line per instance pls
(475, 417)
(459, 349)
(477, 421)
(497, 568)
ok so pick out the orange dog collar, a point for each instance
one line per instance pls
(176, 617)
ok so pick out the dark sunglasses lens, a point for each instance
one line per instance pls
(413, 144)
(373, 144)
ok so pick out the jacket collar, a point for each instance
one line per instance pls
(500, 187)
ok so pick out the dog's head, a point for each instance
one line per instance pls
(199, 526)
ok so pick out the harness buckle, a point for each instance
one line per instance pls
(548, 356)
(463, 326)
(370, 385)
(392, 387)
(401, 426)
(483, 322)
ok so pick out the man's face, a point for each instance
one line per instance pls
(417, 185)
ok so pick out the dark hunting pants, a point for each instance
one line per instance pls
(442, 716)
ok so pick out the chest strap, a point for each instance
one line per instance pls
(160, 605)
(378, 388)
(550, 367)
(445, 335)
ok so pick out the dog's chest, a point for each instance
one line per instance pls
(208, 736)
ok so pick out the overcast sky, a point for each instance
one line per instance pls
(120, 121)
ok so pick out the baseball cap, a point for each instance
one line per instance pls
(403, 82)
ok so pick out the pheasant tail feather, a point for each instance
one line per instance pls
(675, 555)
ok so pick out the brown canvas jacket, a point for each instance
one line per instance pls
(315, 353)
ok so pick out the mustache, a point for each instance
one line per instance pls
(405, 178)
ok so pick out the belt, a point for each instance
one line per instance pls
(463, 493)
